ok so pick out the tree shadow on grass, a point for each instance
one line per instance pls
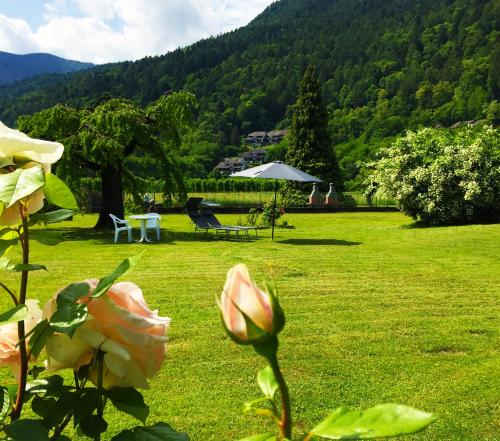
(106, 237)
(419, 225)
(335, 242)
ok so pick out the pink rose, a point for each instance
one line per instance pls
(9, 338)
(121, 325)
(249, 314)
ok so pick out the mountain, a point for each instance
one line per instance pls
(386, 65)
(18, 67)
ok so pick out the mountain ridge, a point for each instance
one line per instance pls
(386, 66)
(16, 67)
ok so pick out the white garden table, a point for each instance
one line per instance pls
(144, 219)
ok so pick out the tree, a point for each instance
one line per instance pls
(309, 144)
(99, 140)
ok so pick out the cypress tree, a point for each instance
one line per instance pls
(310, 147)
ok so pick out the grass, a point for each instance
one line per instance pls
(377, 311)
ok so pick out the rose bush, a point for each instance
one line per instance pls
(121, 325)
(103, 327)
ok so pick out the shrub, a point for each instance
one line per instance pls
(267, 213)
(443, 177)
(252, 217)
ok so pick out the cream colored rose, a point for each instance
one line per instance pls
(249, 314)
(121, 325)
(18, 150)
(9, 351)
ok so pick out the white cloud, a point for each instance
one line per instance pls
(16, 36)
(113, 30)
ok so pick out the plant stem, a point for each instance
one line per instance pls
(286, 415)
(100, 398)
(23, 355)
(11, 294)
(66, 421)
(60, 429)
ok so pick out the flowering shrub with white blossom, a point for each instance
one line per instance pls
(442, 177)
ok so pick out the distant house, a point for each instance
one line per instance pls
(276, 136)
(231, 165)
(256, 138)
(259, 139)
(257, 155)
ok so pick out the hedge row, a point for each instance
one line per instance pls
(198, 185)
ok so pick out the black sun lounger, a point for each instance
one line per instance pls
(201, 223)
(212, 220)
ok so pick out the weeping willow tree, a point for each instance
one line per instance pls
(99, 140)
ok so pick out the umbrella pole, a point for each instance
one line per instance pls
(274, 210)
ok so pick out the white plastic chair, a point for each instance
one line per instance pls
(154, 224)
(121, 225)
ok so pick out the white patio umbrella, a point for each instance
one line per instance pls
(276, 170)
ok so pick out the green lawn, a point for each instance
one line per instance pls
(377, 311)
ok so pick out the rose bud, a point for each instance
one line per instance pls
(250, 315)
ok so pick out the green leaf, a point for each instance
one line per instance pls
(12, 390)
(68, 318)
(383, 420)
(93, 426)
(130, 401)
(87, 403)
(157, 432)
(5, 245)
(43, 407)
(46, 237)
(5, 231)
(28, 267)
(16, 314)
(27, 430)
(252, 407)
(72, 293)
(58, 193)
(38, 334)
(5, 403)
(64, 407)
(52, 386)
(6, 264)
(20, 183)
(35, 371)
(122, 269)
(51, 217)
(261, 437)
(267, 382)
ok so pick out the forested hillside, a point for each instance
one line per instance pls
(386, 65)
(15, 67)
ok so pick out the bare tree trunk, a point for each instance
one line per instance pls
(112, 196)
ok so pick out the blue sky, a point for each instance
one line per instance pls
(104, 31)
(30, 10)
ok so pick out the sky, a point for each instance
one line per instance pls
(103, 31)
